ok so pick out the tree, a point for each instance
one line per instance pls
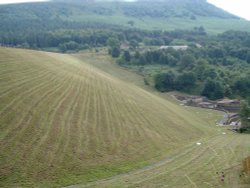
(142, 60)
(216, 52)
(210, 73)
(172, 61)
(134, 44)
(113, 42)
(242, 86)
(131, 23)
(248, 57)
(137, 55)
(165, 81)
(200, 69)
(228, 91)
(213, 90)
(218, 91)
(187, 61)
(208, 89)
(115, 52)
(126, 56)
(245, 115)
(186, 81)
(71, 45)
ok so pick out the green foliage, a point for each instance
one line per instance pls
(213, 90)
(187, 61)
(165, 81)
(245, 115)
(186, 80)
(113, 42)
(126, 56)
(131, 23)
(114, 51)
(170, 81)
(215, 69)
(67, 46)
(242, 86)
(248, 57)
(134, 44)
(200, 69)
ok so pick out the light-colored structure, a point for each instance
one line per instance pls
(183, 47)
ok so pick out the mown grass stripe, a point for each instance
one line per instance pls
(16, 101)
(52, 112)
(69, 113)
(49, 91)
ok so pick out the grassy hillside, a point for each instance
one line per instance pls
(64, 121)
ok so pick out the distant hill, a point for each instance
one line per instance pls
(167, 15)
(163, 8)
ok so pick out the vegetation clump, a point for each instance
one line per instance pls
(245, 117)
(211, 66)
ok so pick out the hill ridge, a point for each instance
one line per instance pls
(166, 15)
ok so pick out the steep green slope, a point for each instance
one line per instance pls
(63, 122)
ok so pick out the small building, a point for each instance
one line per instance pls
(124, 46)
(198, 45)
(181, 47)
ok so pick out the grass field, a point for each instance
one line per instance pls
(194, 166)
(78, 119)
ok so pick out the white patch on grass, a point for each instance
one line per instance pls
(198, 143)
